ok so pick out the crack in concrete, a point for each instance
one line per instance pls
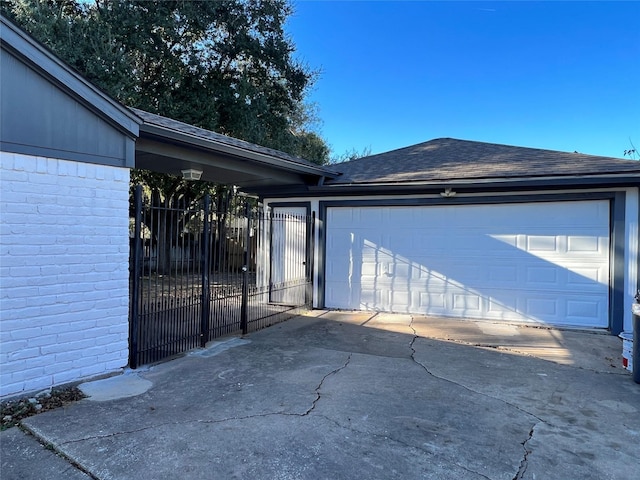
(518, 351)
(472, 471)
(214, 421)
(163, 424)
(319, 387)
(400, 442)
(424, 367)
(524, 463)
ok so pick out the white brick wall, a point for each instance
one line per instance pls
(64, 280)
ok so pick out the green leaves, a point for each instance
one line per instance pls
(226, 66)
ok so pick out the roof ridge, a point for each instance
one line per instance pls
(450, 159)
(479, 142)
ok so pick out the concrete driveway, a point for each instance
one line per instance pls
(339, 395)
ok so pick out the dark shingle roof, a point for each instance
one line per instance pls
(450, 159)
(209, 136)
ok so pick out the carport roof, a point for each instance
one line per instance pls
(169, 146)
(448, 159)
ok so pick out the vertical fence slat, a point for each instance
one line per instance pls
(216, 281)
(206, 290)
(311, 222)
(245, 274)
(135, 271)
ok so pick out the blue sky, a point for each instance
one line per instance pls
(557, 75)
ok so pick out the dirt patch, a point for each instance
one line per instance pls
(13, 411)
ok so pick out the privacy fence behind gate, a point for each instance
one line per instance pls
(205, 269)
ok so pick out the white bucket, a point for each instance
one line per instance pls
(627, 350)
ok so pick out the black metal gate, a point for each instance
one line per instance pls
(200, 271)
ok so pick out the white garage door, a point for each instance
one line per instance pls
(536, 262)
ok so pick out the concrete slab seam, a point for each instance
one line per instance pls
(221, 420)
(42, 439)
(527, 354)
(398, 441)
(408, 445)
(51, 445)
(426, 369)
(77, 463)
(515, 349)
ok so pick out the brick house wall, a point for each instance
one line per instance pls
(63, 271)
(65, 153)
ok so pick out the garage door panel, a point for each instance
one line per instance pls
(504, 307)
(387, 270)
(369, 298)
(586, 312)
(399, 243)
(432, 300)
(341, 294)
(581, 244)
(400, 300)
(543, 276)
(372, 216)
(343, 241)
(542, 307)
(502, 274)
(585, 277)
(343, 215)
(583, 308)
(370, 269)
(545, 263)
(468, 304)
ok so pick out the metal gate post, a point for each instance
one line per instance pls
(134, 272)
(267, 220)
(244, 321)
(308, 294)
(205, 265)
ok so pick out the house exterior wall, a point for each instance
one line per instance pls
(49, 110)
(629, 244)
(64, 271)
(632, 253)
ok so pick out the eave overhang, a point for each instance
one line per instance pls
(228, 161)
(626, 179)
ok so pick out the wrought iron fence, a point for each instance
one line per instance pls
(204, 269)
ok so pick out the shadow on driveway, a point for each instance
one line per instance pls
(343, 395)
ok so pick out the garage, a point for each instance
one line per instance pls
(541, 262)
(466, 229)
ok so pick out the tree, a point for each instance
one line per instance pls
(175, 219)
(349, 155)
(632, 152)
(226, 66)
